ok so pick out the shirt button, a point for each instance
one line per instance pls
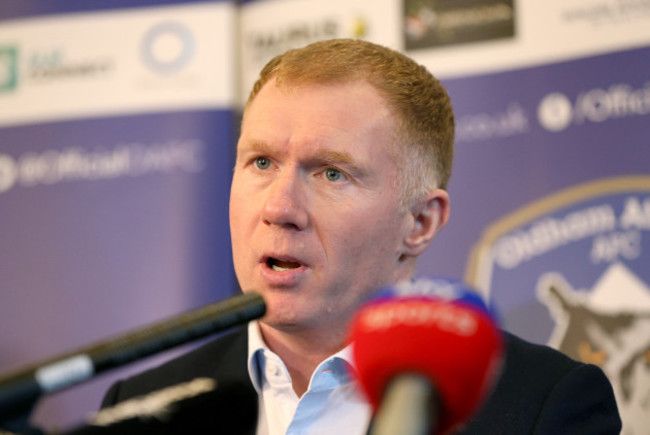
(273, 370)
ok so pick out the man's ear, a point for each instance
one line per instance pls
(429, 216)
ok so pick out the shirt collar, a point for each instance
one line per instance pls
(340, 363)
(256, 348)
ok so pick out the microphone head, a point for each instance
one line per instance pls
(436, 328)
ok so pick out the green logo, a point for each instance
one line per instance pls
(8, 68)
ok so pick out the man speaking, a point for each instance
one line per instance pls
(339, 185)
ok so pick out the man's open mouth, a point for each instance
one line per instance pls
(281, 265)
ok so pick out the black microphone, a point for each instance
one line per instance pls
(201, 405)
(19, 391)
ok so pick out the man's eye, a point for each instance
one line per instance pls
(334, 174)
(262, 163)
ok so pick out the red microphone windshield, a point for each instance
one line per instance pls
(455, 345)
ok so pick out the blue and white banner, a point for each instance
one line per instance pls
(117, 130)
(553, 183)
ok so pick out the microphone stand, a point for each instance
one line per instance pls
(20, 391)
(409, 407)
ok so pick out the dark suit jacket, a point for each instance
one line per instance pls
(540, 391)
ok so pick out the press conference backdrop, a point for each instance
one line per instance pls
(116, 146)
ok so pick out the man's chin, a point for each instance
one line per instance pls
(280, 323)
(286, 321)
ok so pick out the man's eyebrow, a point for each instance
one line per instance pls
(338, 158)
(334, 157)
(254, 146)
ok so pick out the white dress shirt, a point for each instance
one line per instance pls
(332, 404)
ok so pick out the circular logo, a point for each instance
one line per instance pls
(7, 172)
(555, 112)
(167, 47)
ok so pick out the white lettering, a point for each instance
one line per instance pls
(7, 172)
(607, 248)
(635, 214)
(556, 112)
(77, 164)
(620, 100)
(551, 233)
(445, 316)
(484, 126)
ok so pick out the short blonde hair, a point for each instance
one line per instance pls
(424, 132)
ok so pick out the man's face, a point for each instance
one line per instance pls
(314, 208)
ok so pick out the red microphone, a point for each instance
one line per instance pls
(426, 353)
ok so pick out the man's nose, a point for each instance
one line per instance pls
(285, 201)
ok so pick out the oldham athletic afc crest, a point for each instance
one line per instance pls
(573, 270)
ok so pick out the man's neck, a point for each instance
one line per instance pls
(301, 352)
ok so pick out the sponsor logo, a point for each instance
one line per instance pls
(263, 45)
(601, 13)
(51, 65)
(454, 319)
(571, 270)
(435, 23)
(8, 69)
(556, 111)
(167, 47)
(513, 120)
(51, 167)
